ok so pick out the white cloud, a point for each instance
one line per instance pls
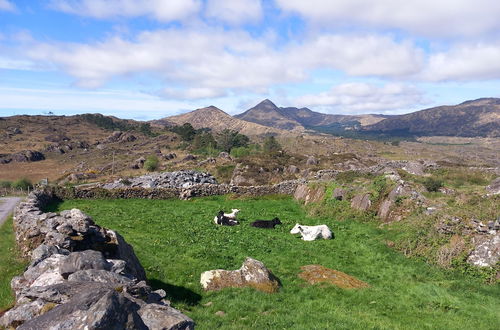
(369, 55)
(364, 98)
(193, 93)
(162, 10)
(465, 62)
(235, 11)
(7, 5)
(427, 17)
(213, 61)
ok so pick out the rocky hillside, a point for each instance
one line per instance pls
(216, 119)
(268, 114)
(472, 118)
(296, 119)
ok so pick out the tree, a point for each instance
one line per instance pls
(228, 139)
(271, 145)
(186, 131)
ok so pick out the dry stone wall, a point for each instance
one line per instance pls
(81, 276)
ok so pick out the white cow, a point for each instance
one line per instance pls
(310, 233)
(232, 215)
(229, 217)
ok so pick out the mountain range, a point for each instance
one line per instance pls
(479, 117)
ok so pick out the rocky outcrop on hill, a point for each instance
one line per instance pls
(252, 274)
(486, 252)
(81, 276)
(494, 187)
(119, 136)
(178, 179)
(22, 157)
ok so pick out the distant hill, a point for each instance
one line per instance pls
(217, 120)
(268, 114)
(297, 119)
(471, 118)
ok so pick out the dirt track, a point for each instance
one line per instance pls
(7, 205)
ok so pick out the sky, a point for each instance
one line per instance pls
(149, 59)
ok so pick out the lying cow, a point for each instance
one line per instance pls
(222, 220)
(310, 233)
(232, 215)
(269, 224)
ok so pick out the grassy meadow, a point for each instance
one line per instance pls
(177, 240)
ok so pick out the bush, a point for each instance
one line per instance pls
(5, 184)
(151, 163)
(240, 152)
(432, 184)
(271, 145)
(22, 184)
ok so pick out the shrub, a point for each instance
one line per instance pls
(271, 145)
(5, 184)
(22, 184)
(432, 184)
(151, 163)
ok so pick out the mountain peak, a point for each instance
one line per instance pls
(266, 103)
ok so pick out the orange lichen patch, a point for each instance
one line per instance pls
(314, 274)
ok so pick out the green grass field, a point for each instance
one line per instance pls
(10, 264)
(177, 240)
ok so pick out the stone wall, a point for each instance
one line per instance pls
(81, 276)
(199, 190)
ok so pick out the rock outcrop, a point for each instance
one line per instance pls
(494, 187)
(81, 276)
(361, 202)
(309, 194)
(22, 157)
(252, 274)
(178, 179)
(486, 252)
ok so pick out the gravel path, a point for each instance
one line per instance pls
(7, 205)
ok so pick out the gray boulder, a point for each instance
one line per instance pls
(361, 202)
(486, 252)
(252, 274)
(157, 316)
(89, 259)
(494, 187)
(339, 194)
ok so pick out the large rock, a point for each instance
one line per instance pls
(339, 194)
(309, 194)
(311, 160)
(157, 316)
(84, 260)
(494, 187)
(414, 168)
(252, 274)
(486, 252)
(361, 202)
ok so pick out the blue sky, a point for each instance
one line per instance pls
(148, 59)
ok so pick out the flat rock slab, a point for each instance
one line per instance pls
(252, 274)
(314, 274)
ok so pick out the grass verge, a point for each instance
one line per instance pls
(177, 240)
(10, 264)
